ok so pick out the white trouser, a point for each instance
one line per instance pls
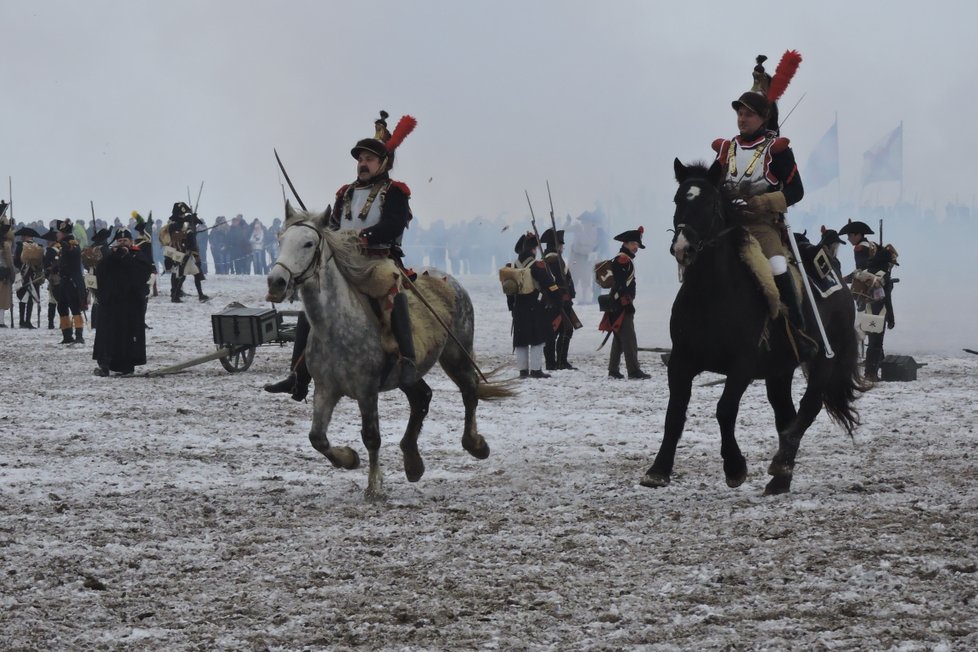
(529, 358)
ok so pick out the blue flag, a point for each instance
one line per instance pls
(884, 160)
(823, 162)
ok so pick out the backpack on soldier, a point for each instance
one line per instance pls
(603, 275)
(516, 280)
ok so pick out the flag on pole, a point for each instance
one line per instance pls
(823, 162)
(884, 160)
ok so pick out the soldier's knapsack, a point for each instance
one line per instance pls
(603, 275)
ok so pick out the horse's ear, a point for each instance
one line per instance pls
(680, 170)
(715, 174)
(289, 211)
(326, 215)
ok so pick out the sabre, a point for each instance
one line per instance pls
(289, 181)
(808, 292)
(198, 196)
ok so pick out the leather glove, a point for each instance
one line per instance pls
(769, 202)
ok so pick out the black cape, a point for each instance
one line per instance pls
(120, 339)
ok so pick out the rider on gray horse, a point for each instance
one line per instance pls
(377, 207)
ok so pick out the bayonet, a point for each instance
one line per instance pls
(289, 181)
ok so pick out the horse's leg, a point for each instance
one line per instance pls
(342, 457)
(419, 397)
(460, 370)
(370, 432)
(783, 465)
(734, 464)
(680, 389)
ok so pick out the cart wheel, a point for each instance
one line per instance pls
(239, 360)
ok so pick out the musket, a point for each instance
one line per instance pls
(533, 221)
(92, 205)
(197, 205)
(575, 322)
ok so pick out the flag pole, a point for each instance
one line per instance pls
(838, 178)
(901, 162)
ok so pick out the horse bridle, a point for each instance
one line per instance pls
(310, 270)
(701, 243)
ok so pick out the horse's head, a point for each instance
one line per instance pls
(300, 250)
(699, 214)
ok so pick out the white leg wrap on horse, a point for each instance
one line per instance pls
(523, 358)
(779, 265)
(536, 357)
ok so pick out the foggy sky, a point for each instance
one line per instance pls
(128, 103)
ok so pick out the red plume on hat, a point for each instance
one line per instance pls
(404, 127)
(783, 74)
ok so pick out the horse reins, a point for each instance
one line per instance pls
(310, 270)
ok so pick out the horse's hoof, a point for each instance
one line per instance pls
(343, 457)
(654, 480)
(777, 468)
(478, 449)
(372, 495)
(735, 473)
(779, 484)
(413, 468)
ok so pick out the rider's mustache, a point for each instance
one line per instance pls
(363, 169)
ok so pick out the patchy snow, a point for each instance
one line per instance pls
(191, 512)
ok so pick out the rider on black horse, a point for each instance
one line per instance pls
(761, 171)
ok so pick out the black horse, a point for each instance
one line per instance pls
(721, 323)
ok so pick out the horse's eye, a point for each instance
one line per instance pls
(307, 245)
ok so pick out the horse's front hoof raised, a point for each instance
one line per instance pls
(343, 457)
(779, 484)
(654, 480)
(477, 447)
(413, 467)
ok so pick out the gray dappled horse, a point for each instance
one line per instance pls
(344, 353)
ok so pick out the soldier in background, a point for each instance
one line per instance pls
(71, 289)
(531, 322)
(558, 340)
(52, 258)
(619, 319)
(7, 269)
(29, 259)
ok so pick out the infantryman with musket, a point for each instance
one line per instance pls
(378, 208)
(181, 256)
(872, 288)
(562, 327)
(70, 287)
(532, 323)
(619, 313)
(762, 172)
(29, 259)
(123, 274)
(7, 269)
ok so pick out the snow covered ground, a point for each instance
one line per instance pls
(190, 511)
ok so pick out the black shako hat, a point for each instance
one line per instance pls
(856, 227)
(526, 242)
(101, 236)
(634, 235)
(27, 232)
(548, 238)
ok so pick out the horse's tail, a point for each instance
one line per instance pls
(843, 385)
(496, 390)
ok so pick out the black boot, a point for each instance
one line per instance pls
(66, 337)
(563, 348)
(285, 386)
(874, 357)
(28, 313)
(200, 290)
(51, 310)
(175, 289)
(79, 336)
(23, 323)
(807, 347)
(401, 328)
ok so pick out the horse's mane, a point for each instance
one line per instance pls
(345, 246)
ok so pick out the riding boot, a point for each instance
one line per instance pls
(29, 312)
(807, 347)
(52, 309)
(297, 382)
(284, 386)
(874, 356)
(175, 289)
(563, 348)
(401, 328)
(200, 290)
